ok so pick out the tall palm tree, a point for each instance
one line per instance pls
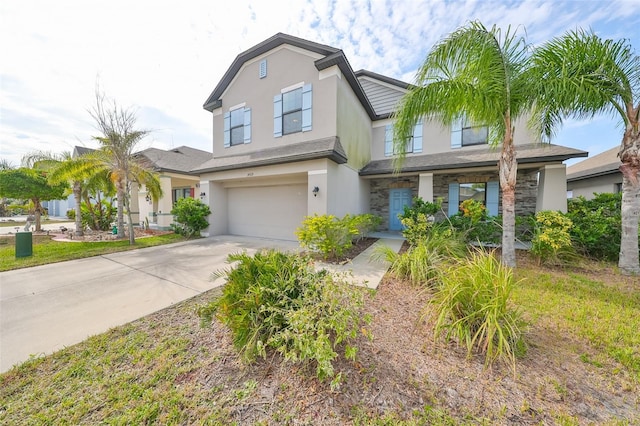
(478, 74)
(117, 157)
(582, 75)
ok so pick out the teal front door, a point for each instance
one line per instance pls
(398, 198)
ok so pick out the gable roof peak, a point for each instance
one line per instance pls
(331, 56)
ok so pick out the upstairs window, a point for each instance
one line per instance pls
(292, 111)
(237, 126)
(414, 142)
(465, 133)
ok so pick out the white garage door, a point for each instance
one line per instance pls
(267, 211)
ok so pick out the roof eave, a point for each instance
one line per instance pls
(332, 155)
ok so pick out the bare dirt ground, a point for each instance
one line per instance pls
(403, 370)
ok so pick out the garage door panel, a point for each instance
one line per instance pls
(267, 211)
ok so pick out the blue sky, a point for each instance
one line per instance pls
(163, 58)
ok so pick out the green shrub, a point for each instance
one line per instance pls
(419, 206)
(277, 300)
(363, 223)
(471, 307)
(597, 225)
(71, 214)
(551, 241)
(416, 229)
(190, 216)
(98, 215)
(331, 236)
(474, 210)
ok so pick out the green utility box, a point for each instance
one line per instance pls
(24, 244)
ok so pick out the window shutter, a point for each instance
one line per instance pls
(227, 129)
(456, 134)
(493, 197)
(192, 192)
(454, 198)
(277, 116)
(247, 125)
(306, 108)
(417, 138)
(388, 140)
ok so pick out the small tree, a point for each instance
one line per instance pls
(190, 216)
(30, 184)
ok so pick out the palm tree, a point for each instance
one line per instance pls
(117, 158)
(583, 75)
(477, 74)
(61, 169)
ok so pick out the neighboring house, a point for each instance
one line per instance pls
(176, 179)
(297, 132)
(600, 173)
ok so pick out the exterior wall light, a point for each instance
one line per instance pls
(202, 194)
(315, 191)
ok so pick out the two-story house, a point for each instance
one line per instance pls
(297, 132)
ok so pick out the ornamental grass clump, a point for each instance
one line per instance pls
(277, 301)
(471, 306)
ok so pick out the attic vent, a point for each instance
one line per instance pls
(263, 69)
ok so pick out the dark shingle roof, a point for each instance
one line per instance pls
(81, 150)
(311, 150)
(332, 56)
(180, 160)
(529, 153)
(602, 164)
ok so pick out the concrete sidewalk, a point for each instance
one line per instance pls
(46, 308)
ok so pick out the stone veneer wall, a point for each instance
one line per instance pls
(379, 203)
(526, 191)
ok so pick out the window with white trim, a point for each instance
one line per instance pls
(465, 133)
(414, 142)
(237, 126)
(292, 110)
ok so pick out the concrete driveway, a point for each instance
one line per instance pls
(45, 308)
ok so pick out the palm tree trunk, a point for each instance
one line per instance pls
(121, 196)
(132, 237)
(629, 260)
(508, 170)
(77, 195)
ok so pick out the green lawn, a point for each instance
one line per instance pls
(45, 250)
(8, 224)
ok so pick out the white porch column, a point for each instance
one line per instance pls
(216, 197)
(552, 188)
(317, 202)
(134, 204)
(425, 187)
(165, 204)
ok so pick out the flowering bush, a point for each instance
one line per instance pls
(551, 240)
(474, 210)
